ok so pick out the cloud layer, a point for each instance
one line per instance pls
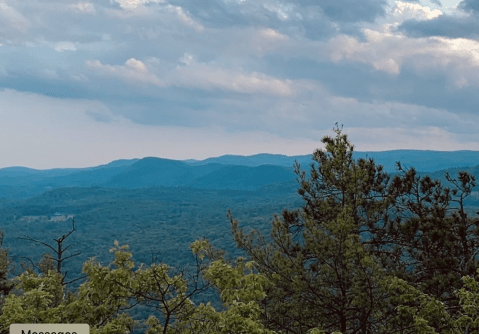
(192, 79)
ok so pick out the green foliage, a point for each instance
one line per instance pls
(424, 314)
(108, 291)
(97, 302)
(469, 299)
(6, 285)
(417, 311)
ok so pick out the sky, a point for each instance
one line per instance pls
(86, 83)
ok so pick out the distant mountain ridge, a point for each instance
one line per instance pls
(253, 160)
(421, 160)
(235, 172)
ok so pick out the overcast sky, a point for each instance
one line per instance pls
(82, 84)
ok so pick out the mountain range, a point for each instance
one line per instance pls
(225, 172)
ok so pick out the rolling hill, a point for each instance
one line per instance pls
(226, 172)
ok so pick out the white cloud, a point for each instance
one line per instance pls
(272, 34)
(165, 16)
(132, 4)
(263, 41)
(136, 65)
(133, 71)
(187, 59)
(184, 18)
(381, 50)
(387, 52)
(127, 4)
(312, 106)
(84, 7)
(65, 46)
(405, 11)
(12, 20)
(211, 77)
(283, 11)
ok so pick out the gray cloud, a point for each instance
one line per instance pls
(444, 25)
(99, 115)
(436, 2)
(316, 20)
(349, 10)
(469, 5)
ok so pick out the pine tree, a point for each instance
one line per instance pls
(328, 261)
(439, 242)
(323, 273)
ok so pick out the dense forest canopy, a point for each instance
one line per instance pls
(365, 252)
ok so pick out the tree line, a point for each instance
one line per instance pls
(366, 253)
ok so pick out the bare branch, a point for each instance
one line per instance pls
(24, 257)
(71, 256)
(59, 251)
(31, 239)
(76, 279)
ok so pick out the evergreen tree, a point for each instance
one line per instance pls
(439, 242)
(327, 260)
(323, 275)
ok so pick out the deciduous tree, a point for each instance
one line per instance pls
(108, 292)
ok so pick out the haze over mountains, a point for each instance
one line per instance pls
(225, 172)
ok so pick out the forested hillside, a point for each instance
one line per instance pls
(156, 219)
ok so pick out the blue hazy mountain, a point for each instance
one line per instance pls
(426, 161)
(22, 182)
(172, 173)
(25, 171)
(265, 171)
(244, 177)
(153, 172)
(254, 160)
